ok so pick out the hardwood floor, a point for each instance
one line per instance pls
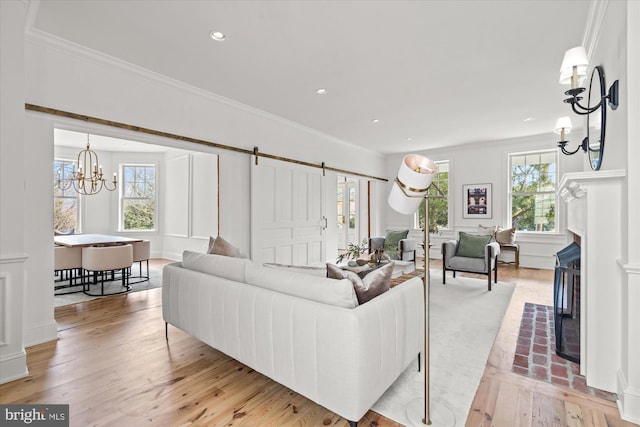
(113, 366)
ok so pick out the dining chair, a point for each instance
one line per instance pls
(141, 252)
(101, 260)
(67, 261)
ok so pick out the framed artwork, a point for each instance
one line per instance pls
(477, 200)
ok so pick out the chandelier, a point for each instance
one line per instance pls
(88, 179)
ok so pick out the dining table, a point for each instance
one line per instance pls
(82, 240)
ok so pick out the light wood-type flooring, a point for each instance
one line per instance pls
(114, 367)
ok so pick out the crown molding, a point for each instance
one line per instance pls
(595, 19)
(47, 40)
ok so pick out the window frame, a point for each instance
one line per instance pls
(510, 192)
(77, 197)
(416, 215)
(122, 198)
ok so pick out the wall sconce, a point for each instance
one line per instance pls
(573, 71)
(563, 127)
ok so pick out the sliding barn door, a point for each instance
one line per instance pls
(287, 217)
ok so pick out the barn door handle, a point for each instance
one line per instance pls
(326, 223)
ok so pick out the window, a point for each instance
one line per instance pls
(65, 201)
(438, 204)
(533, 179)
(138, 198)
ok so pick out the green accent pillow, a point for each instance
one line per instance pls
(472, 245)
(391, 240)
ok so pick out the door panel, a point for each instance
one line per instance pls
(286, 213)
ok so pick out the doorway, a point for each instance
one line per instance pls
(348, 211)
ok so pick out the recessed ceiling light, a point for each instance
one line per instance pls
(375, 121)
(217, 36)
(409, 139)
(321, 91)
(529, 119)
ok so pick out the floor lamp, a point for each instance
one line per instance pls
(409, 189)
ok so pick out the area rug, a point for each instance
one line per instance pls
(536, 353)
(464, 323)
(155, 281)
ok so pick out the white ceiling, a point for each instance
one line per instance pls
(439, 72)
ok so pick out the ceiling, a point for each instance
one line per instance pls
(433, 73)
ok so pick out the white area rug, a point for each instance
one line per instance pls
(464, 322)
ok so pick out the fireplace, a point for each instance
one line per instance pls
(566, 302)
(592, 201)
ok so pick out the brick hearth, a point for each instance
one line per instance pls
(536, 357)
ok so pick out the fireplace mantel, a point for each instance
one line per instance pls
(593, 212)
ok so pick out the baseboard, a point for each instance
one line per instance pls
(628, 400)
(13, 367)
(41, 334)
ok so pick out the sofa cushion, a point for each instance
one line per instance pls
(370, 286)
(472, 245)
(217, 265)
(339, 293)
(467, 264)
(302, 269)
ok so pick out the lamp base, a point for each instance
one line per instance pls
(441, 415)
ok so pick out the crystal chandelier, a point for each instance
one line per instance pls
(88, 179)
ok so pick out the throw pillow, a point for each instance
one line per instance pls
(222, 247)
(391, 240)
(507, 237)
(491, 230)
(472, 245)
(373, 284)
(212, 241)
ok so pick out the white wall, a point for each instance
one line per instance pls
(189, 210)
(72, 79)
(617, 49)
(13, 252)
(488, 163)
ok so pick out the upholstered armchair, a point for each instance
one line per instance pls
(396, 245)
(472, 253)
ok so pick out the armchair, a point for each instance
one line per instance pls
(397, 245)
(472, 253)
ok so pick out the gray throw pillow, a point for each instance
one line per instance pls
(373, 284)
(472, 245)
(212, 242)
(222, 247)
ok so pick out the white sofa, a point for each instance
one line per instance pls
(307, 333)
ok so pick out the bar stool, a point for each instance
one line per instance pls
(103, 259)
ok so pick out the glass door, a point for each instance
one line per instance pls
(348, 212)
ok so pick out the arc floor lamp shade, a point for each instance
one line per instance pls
(414, 178)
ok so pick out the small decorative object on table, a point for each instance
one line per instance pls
(353, 251)
(378, 257)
